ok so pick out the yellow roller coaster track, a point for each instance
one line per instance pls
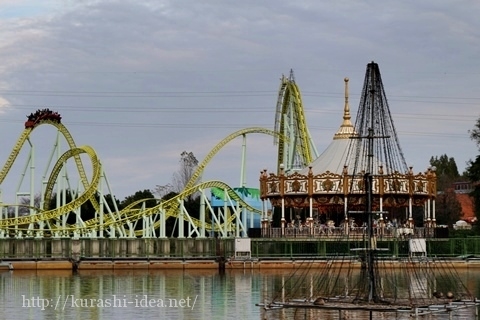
(172, 204)
(290, 101)
(128, 214)
(71, 144)
(201, 167)
(221, 144)
(86, 195)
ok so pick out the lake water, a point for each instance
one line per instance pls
(164, 294)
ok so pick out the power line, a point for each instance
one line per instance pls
(229, 109)
(107, 94)
(209, 94)
(225, 126)
(129, 109)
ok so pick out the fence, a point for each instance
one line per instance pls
(209, 248)
(353, 233)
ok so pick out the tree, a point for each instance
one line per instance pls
(473, 169)
(24, 210)
(475, 133)
(473, 175)
(87, 210)
(446, 170)
(188, 165)
(448, 209)
(140, 195)
(149, 202)
(163, 191)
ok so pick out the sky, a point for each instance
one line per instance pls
(143, 81)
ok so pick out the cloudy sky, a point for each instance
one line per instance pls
(142, 81)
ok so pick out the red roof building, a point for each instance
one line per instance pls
(462, 191)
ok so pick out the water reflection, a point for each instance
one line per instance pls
(396, 286)
(171, 294)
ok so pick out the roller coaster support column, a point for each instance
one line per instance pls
(243, 185)
(101, 220)
(161, 230)
(61, 197)
(202, 215)
(2, 216)
(145, 224)
(226, 217)
(237, 220)
(19, 195)
(181, 220)
(41, 223)
(32, 182)
(243, 223)
(30, 193)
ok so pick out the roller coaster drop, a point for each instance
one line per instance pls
(131, 221)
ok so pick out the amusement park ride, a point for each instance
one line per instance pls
(133, 221)
(363, 171)
(22, 220)
(368, 176)
(298, 182)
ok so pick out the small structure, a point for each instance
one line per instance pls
(417, 247)
(242, 248)
(462, 225)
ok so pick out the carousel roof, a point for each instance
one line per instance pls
(371, 145)
(334, 157)
(369, 148)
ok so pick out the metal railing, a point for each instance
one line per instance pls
(356, 232)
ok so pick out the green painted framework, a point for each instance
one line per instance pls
(454, 247)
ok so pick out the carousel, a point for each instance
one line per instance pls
(332, 187)
(363, 172)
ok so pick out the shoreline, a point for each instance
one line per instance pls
(216, 264)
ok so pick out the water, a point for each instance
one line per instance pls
(164, 294)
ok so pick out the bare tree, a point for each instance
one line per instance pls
(188, 165)
(162, 191)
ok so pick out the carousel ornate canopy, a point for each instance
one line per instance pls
(335, 181)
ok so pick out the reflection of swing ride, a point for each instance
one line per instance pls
(370, 279)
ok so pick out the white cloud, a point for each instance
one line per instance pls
(143, 81)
